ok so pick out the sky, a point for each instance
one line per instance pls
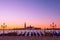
(38, 13)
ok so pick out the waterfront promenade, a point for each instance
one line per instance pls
(29, 38)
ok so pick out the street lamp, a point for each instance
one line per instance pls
(3, 26)
(53, 25)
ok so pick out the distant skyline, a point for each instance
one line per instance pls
(38, 13)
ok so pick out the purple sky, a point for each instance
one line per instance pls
(16, 12)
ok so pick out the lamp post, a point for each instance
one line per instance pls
(3, 26)
(53, 25)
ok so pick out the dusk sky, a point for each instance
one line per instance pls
(38, 13)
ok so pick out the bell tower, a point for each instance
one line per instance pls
(25, 25)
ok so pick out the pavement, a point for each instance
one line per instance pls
(29, 38)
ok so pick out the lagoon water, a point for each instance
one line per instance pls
(19, 31)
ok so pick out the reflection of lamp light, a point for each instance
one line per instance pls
(3, 26)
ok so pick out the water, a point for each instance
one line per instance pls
(19, 31)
